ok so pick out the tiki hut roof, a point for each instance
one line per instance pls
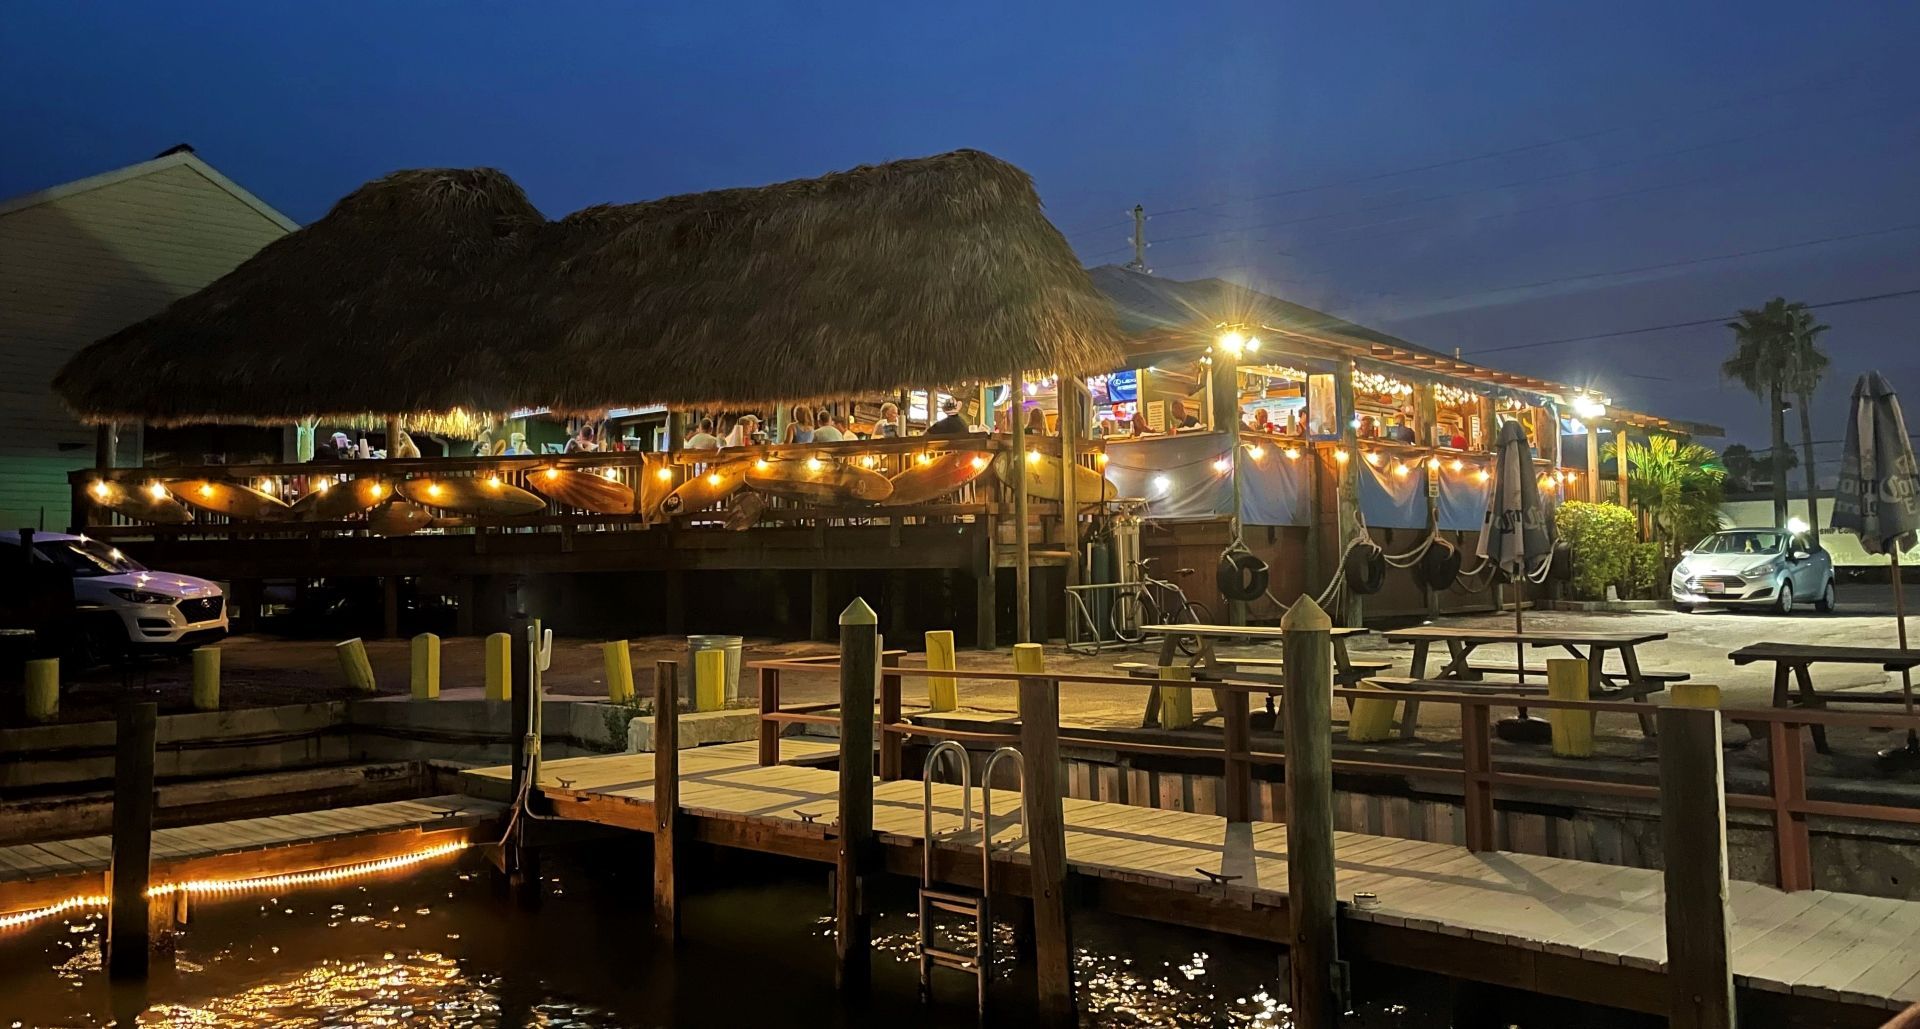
(433, 290)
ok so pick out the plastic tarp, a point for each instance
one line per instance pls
(1462, 501)
(1276, 490)
(1392, 500)
(1178, 477)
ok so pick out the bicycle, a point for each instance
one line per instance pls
(1151, 601)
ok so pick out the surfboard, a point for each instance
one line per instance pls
(934, 477)
(1043, 478)
(586, 490)
(819, 480)
(398, 518)
(148, 502)
(228, 498)
(489, 496)
(330, 501)
(706, 489)
(654, 488)
(747, 509)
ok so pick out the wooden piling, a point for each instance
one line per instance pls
(1046, 836)
(859, 678)
(892, 745)
(1022, 549)
(498, 648)
(43, 689)
(424, 670)
(1693, 829)
(1311, 898)
(129, 933)
(769, 704)
(666, 798)
(355, 666)
(943, 691)
(206, 679)
(617, 658)
(1236, 784)
(1567, 679)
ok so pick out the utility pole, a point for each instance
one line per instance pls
(1139, 262)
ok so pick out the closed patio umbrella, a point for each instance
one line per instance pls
(1513, 536)
(1878, 498)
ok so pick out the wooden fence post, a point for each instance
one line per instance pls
(1236, 793)
(859, 677)
(1046, 836)
(616, 658)
(424, 675)
(769, 704)
(1572, 730)
(1693, 829)
(891, 744)
(1787, 777)
(1476, 760)
(943, 692)
(43, 689)
(666, 797)
(129, 929)
(1311, 898)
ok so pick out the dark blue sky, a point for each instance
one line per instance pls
(1624, 136)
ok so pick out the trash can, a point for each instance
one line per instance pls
(730, 644)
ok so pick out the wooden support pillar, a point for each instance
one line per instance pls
(769, 704)
(1313, 950)
(523, 873)
(859, 677)
(1593, 459)
(891, 744)
(986, 585)
(666, 798)
(1047, 839)
(819, 605)
(1693, 829)
(1620, 463)
(1236, 784)
(1023, 557)
(1066, 397)
(1347, 504)
(1426, 415)
(129, 933)
(106, 445)
(389, 606)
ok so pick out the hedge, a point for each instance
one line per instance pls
(1600, 542)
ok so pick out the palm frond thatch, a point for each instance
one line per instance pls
(431, 290)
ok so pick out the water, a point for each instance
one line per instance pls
(439, 948)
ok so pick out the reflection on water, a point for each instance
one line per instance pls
(438, 948)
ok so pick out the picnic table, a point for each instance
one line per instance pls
(1206, 663)
(1630, 681)
(1796, 659)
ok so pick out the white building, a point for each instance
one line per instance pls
(81, 261)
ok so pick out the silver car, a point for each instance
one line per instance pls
(1755, 568)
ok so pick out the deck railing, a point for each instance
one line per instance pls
(1477, 772)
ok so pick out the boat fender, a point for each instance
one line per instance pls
(1560, 565)
(1241, 574)
(1365, 568)
(1439, 566)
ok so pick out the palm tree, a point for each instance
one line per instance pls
(1679, 487)
(1807, 367)
(1763, 361)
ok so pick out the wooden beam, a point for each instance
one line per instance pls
(1693, 829)
(666, 798)
(859, 677)
(1312, 900)
(129, 935)
(1347, 502)
(1023, 558)
(1047, 840)
(1067, 402)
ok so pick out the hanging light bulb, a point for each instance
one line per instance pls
(1482, 475)
(1256, 452)
(1100, 458)
(493, 481)
(1032, 456)
(1341, 456)
(1373, 457)
(981, 462)
(921, 458)
(206, 489)
(1253, 344)
(267, 487)
(323, 485)
(1162, 483)
(1222, 465)
(1456, 465)
(813, 464)
(376, 490)
(1400, 469)
(714, 479)
(100, 489)
(611, 475)
(664, 475)
(552, 473)
(1293, 453)
(761, 465)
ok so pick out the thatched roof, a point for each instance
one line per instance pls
(431, 290)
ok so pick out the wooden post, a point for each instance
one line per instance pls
(1693, 829)
(498, 649)
(1572, 730)
(1427, 415)
(943, 692)
(1022, 552)
(1620, 461)
(1787, 774)
(986, 584)
(859, 677)
(666, 797)
(617, 660)
(1476, 759)
(206, 679)
(769, 704)
(1236, 787)
(129, 934)
(424, 671)
(1311, 899)
(1593, 460)
(355, 666)
(1047, 837)
(1347, 498)
(43, 689)
(1066, 399)
(891, 744)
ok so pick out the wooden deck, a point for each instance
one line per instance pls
(1571, 928)
(35, 875)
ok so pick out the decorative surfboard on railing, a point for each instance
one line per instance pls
(490, 497)
(229, 498)
(820, 481)
(656, 485)
(1043, 478)
(589, 491)
(706, 489)
(932, 476)
(149, 503)
(398, 519)
(330, 501)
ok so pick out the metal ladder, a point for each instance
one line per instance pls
(977, 905)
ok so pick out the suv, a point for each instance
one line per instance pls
(1754, 568)
(132, 606)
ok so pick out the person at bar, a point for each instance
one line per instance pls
(825, 430)
(703, 437)
(1036, 422)
(800, 428)
(950, 423)
(1137, 425)
(888, 427)
(744, 429)
(1262, 421)
(1179, 420)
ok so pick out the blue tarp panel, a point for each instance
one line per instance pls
(1276, 490)
(1178, 477)
(1462, 500)
(1391, 501)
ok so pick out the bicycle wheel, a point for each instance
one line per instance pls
(1131, 610)
(1193, 613)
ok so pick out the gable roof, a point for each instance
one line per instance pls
(1164, 310)
(174, 158)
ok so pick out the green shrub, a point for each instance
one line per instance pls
(1649, 569)
(1600, 540)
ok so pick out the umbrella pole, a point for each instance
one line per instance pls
(1519, 648)
(1900, 620)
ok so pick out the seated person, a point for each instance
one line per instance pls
(1179, 420)
(826, 427)
(950, 423)
(703, 437)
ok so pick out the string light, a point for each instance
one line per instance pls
(813, 464)
(1256, 452)
(981, 462)
(1453, 396)
(323, 485)
(1032, 456)
(1379, 385)
(1341, 456)
(1457, 464)
(493, 481)
(552, 473)
(1293, 453)
(1482, 475)
(1099, 459)
(761, 465)
(433, 489)
(611, 475)
(1400, 469)
(204, 887)
(206, 489)
(1222, 465)
(1433, 464)
(664, 475)
(100, 489)
(1373, 457)
(20, 918)
(267, 487)
(376, 490)
(713, 479)
(156, 491)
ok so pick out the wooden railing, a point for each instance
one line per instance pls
(1477, 772)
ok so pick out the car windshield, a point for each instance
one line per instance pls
(1743, 543)
(87, 558)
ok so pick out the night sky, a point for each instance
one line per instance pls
(1481, 176)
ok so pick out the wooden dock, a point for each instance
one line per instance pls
(1585, 931)
(40, 875)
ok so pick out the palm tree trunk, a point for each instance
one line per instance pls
(1779, 456)
(1806, 462)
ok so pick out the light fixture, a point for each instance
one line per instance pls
(433, 489)
(323, 485)
(1233, 341)
(1256, 452)
(813, 464)
(921, 458)
(1433, 464)
(761, 465)
(1032, 456)
(156, 491)
(206, 489)
(100, 489)
(1457, 464)
(1373, 457)
(1100, 458)
(1796, 525)
(1253, 344)
(267, 487)
(376, 490)
(1162, 483)
(1571, 475)
(1293, 453)
(713, 479)
(1400, 469)
(1033, 389)
(664, 475)
(866, 461)
(981, 462)
(1221, 464)
(1588, 407)
(611, 475)
(1482, 475)
(493, 481)
(1341, 456)
(552, 473)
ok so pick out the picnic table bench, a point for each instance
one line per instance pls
(1206, 663)
(1796, 659)
(1629, 682)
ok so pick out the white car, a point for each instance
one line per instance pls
(155, 609)
(1755, 568)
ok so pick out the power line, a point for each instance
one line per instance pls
(1718, 320)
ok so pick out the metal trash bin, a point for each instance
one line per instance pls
(730, 644)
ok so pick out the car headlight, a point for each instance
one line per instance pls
(1681, 571)
(1761, 572)
(140, 596)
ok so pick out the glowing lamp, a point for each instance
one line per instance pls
(1588, 407)
(206, 489)
(433, 489)
(1293, 453)
(1253, 344)
(1032, 456)
(921, 458)
(611, 475)
(1162, 483)
(1482, 475)
(713, 478)
(1433, 464)
(1373, 457)
(1100, 458)
(761, 465)
(867, 460)
(1400, 469)
(552, 473)
(664, 475)
(1341, 456)
(1233, 341)
(1256, 452)
(376, 490)
(266, 486)
(156, 491)
(493, 481)
(1222, 465)
(1456, 465)
(1797, 525)
(323, 485)
(981, 462)
(813, 464)
(100, 489)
